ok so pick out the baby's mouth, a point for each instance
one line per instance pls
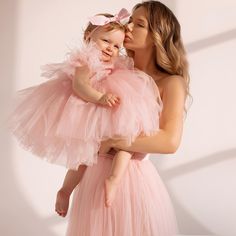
(106, 54)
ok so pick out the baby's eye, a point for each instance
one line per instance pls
(105, 40)
(116, 46)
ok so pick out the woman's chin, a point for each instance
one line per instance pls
(128, 45)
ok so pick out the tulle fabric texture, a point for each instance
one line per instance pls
(142, 206)
(52, 122)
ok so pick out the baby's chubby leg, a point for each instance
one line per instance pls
(119, 166)
(72, 179)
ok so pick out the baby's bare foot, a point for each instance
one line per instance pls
(110, 190)
(62, 202)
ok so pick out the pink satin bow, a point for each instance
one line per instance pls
(103, 20)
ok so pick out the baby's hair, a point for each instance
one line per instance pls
(108, 27)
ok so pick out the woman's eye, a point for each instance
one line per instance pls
(116, 46)
(140, 25)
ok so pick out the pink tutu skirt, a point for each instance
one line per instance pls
(142, 206)
(52, 122)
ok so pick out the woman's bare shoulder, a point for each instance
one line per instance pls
(173, 96)
(170, 82)
(174, 82)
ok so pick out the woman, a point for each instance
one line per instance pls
(142, 206)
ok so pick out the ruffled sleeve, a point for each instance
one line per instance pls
(88, 54)
(124, 62)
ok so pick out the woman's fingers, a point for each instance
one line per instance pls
(105, 147)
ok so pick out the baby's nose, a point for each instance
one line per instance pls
(109, 48)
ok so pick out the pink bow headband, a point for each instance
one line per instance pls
(103, 20)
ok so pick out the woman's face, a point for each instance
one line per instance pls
(138, 35)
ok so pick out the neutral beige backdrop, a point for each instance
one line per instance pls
(200, 177)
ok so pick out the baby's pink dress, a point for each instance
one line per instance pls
(52, 122)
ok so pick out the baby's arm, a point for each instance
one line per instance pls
(82, 87)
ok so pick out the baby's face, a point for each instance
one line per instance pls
(109, 42)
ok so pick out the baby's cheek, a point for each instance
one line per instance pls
(116, 53)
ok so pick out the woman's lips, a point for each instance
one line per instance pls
(127, 38)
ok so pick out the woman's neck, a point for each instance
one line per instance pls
(144, 61)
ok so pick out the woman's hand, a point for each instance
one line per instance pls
(117, 144)
(105, 146)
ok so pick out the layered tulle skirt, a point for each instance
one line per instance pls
(52, 122)
(142, 206)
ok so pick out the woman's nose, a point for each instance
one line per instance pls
(129, 27)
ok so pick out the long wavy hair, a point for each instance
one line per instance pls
(166, 33)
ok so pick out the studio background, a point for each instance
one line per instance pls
(200, 176)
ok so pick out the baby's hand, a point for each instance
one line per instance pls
(109, 99)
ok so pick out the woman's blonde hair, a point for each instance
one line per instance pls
(166, 33)
(108, 27)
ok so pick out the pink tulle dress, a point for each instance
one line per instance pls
(54, 123)
(142, 206)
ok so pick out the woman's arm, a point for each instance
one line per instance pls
(168, 138)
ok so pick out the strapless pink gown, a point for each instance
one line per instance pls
(142, 206)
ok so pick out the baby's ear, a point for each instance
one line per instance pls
(87, 36)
